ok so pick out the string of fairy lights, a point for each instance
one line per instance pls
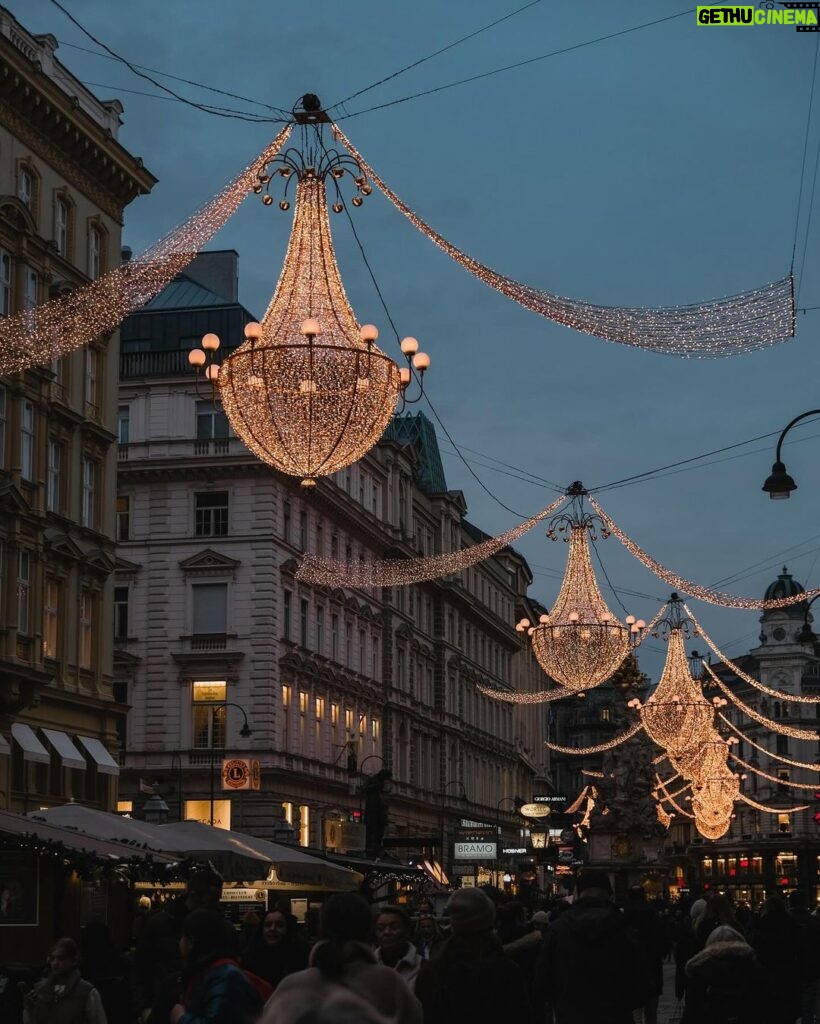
(763, 750)
(732, 325)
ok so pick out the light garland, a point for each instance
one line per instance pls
(772, 810)
(400, 572)
(592, 774)
(773, 778)
(524, 697)
(687, 586)
(728, 326)
(785, 730)
(579, 643)
(599, 748)
(53, 329)
(769, 753)
(676, 716)
(309, 392)
(670, 799)
(664, 818)
(738, 671)
(578, 802)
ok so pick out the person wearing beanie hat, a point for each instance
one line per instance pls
(471, 981)
(592, 967)
(725, 982)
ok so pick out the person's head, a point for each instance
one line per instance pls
(206, 935)
(697, 910)
(392, 930)
(593, 884)
(277, 926)
(426, 907)
(204, 889)
(427, 927)
(541, 920)
(470, 911)
(724, 933)
(345, 918)
(719, 909)
(64, 957)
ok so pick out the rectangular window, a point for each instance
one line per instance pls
(124, 424)
(286, 522)
(303, 702)
(200, 810)
(5, 283)
(334, 715)
(375, 658)
(120, 613)
(61, 226)
(320, 708)
(86, 629)
(362, 652)
(376, 727)
(349, 721)
(31, 288)
(55, 460)
(89, 490)
(320, 629)
(27, 439)
(210, 422)
(783, 744)
(3, 430)
(208, 716)
(286, 613)
(122, 517)
(320, 541)
(287, 696)
(348, 645)
(51, 612)
(210, 607)
(211, 514)
(304, 825)
(90, 379)
(94, 252)
(23, 590)
(334, 637)
(25, 187)
(303, 623)
(303, 531)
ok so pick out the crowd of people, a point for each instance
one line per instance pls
(582, 960)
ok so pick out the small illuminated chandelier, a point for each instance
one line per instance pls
(715, 792)
(579, 643)
(676, 716)
(308, 391)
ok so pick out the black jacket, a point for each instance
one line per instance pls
(724, 986)
(591, 966)
(471, 981)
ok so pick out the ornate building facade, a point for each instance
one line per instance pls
(211, 625)
(64, 183)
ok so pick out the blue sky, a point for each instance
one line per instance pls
(660, 167)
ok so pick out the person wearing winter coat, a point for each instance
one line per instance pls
(63, 997)
(778, 941)
(471, 981)
(275, 950)
(591, 966)
(343, 984)
(393, 946)
(429, 938)
(215, 990)
(650, 932)
(725, 983)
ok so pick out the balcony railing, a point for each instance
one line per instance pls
(155, 364)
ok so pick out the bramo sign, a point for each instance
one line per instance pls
(475, 844)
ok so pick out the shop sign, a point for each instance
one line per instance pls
(535, 810)
(241, 894)
(463, 869)
(240, 773)
(549, 798)
(565, 855)
(514, 849)
(343, 835)
(475, 844)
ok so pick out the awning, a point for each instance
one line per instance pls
(4, 746)
(105, 763)
(33, 749)
(66, 751)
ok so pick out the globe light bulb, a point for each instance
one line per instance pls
(210, 342)
(409, 346)
(212, 372)
(310, 328)
(196, 357)
(421, 361)
(253, 330)
(368, 333)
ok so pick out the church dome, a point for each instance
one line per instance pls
(783, 586)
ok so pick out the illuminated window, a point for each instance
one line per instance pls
(348, 720)
(320, 708)
(208, 715)
(304, 825)
(287, 698)
(376, 727)
(125, 806)
(334, 715)
(287, 693)
(287, 812)
(200, 810)
(303, 702)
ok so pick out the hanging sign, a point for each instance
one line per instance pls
(240, 773)
(475, 844)
(535, 810)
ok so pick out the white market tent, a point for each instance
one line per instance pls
(237, 856)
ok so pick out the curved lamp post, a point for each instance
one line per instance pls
(779, 485)
(244, 732)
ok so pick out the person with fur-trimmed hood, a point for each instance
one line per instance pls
(724, 982)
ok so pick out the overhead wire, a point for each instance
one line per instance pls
(206, 108)
(519, 64)
(435, 53)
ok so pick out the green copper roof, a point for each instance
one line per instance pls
(416, 429)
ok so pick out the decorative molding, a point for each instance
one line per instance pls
(209, 563)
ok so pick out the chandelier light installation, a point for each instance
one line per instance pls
(308, 391)
(729, 326)
(579, 643)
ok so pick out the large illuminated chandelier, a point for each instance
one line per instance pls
(580, 643)
(309, 391)
(676, 716)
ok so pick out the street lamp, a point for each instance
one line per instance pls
(244, 732)
(779, 484)
(462, 796)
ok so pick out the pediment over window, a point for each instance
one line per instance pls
(12, 501)
(59, 543)
(17, 214)
(209, 562)
(125, 568)
(100, 561)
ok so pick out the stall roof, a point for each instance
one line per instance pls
(19, 825)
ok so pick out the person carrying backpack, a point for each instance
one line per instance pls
(724, 982)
